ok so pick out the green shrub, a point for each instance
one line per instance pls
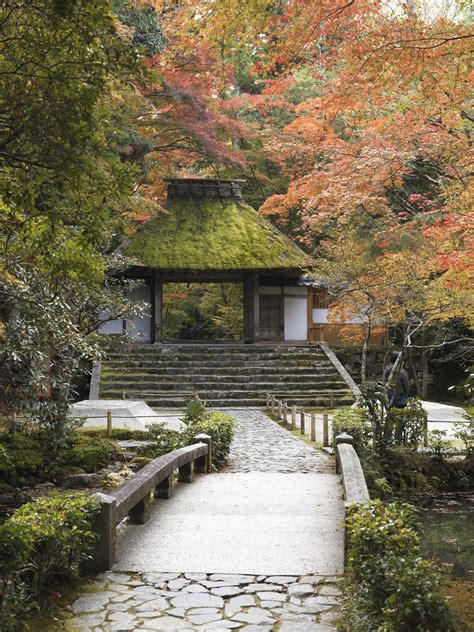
(91, 453)
(390, 588)
(5, 488)
(220, 427)
(118, 434)
(21, 459)
(353, 421)
(408, 424)
(140, 461)
(15, 547)
(166, 440)
(42, 543)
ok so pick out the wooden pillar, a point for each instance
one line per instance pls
(156, 307)
(251, 308)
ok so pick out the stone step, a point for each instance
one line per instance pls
(291, 362)
(111, 370)
(224, 360)
(124, 379)
(221, 385)
(313, 352)
(222, 375)
(208, 395)
(206, 349)
(228, 402)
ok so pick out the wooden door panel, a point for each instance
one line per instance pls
(271, 317)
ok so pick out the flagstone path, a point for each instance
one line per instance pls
(257, 547)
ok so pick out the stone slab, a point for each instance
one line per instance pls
(252, 523)
(126, 413)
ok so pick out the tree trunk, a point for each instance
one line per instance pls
(415, 373)
(425, 371)
(363, 358)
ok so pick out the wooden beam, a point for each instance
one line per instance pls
(156, 307)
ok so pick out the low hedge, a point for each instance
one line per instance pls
(353, 422)
(389, 586)
(220, 427)
(42, 544)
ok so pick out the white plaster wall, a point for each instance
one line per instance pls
(136, 327)
(111, 326)
(320, 316)
(296, 317)
(140, 328)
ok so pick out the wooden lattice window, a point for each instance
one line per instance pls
(320, 299)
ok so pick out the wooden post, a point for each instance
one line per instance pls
(109, 424)
(313, 427)
(267, 397)
(325, 430)
(280, 410)
(331, 398)
(272, 404)
(156, 307)
(251, 308)
(293, 417)
(302, 423)
(285, 412)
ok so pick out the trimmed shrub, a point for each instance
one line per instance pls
(390, 588)
(220, 427)
(353, 421)
(41, 544)
(92, 453)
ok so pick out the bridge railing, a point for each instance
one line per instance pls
(348, 465)
(297, 418)
(133, 498)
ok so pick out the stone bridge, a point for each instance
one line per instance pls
(256, 547)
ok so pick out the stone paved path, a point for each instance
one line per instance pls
(261, 445)
(272, 516)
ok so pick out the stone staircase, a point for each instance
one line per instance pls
(231, 375)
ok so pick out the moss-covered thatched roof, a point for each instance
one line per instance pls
(212, 234)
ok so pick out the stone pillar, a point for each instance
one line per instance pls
(342, 438)
(104, 524)
(251, 308)
(165, 489)
(186, 473)
(203, 464)
(140, 513)
(156, 307)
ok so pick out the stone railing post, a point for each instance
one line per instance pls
(204, 464)
(104, 525)
(342, 438)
